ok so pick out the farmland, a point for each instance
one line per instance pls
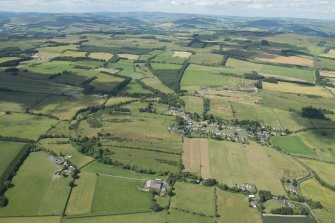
(156, 117)
(30, 197)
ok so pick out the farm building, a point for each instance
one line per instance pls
(248, 187)
(292, 189)
(157, 185)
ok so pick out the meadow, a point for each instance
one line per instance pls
(193, 104)
(207, 59)
(298, 89)
(194, 198)
(8, 152)
(100, 56)
(49, 219)
(49, 104)
(37, 191)
(18, 101)
(324, 170)
(233, 163)
(114, 195)
(235, 208)
(24, 125)
(313, 190)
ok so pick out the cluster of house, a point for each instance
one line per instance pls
(157, 185)
(66, 167)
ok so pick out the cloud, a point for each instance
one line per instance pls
(302, 8)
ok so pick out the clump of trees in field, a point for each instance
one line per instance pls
(315, 113)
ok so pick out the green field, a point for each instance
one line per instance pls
(114, 195)
(21, 84)
(18, 101)
(235, 208)
(49, 104)
(124, 218)
(37, 191)
(207, 59)
(49, 219)
(82, 195)
(24, 125)
(324, 170)
(293, 145)
(313, 190)
(287, 219)
(167, 57)
(233, 163)
(197, 77)
(193, 104)
(194, 198)
(63, 146)
(8, 151)
(106, 82)
(51, 68)
(180, 216)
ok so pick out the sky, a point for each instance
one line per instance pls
(319, 9)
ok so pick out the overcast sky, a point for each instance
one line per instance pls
(324, 9)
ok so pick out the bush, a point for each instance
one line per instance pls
(271, 80)
(3, 201)
(253, 76)
(283, 211)
(155, 207)
(315, 113)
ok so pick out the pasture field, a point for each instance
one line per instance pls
(106, 82)
(175, 216)
(193, 104)
(124, 218)
(8, 151)
(298, 89)
(292, 60)
(6, 59)
(156, 84)
(69, 79)
(194, 198)
(144, 159)
(294, 102)
(293, 145)
(49, 104)
(148, 131)
(273, 204)
(82, 195)
(195, 157)
(22, 84)
(324, 170)
(292, 121)
(100, 168)
(70, 53)
(197, 77)
(101, 56)
(222, 95)
(18, 101)
(181, 54)
(313, 190)
(330, 54)
(233, 163)
(37, 191)
(127, 69)
(51, 68)
(241, 67)
(57, 49)
(306, 75)
(49, 219)
(114, 195)
(322, 138)
(129, 56)
(263, 115)
(163, 66)
(234, 208)
(221, 108)
(207, 59)
(118, 100)
(63, 146)
(24, 125)
(287, 219)
(325, 64)
(134, 87)
(69, 108)
(168, 57)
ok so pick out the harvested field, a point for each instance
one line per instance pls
(330, 74)
(180, 54)
(101, 56)
(195, 157)
(129, 56)
(298, 88)
(292, 60)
